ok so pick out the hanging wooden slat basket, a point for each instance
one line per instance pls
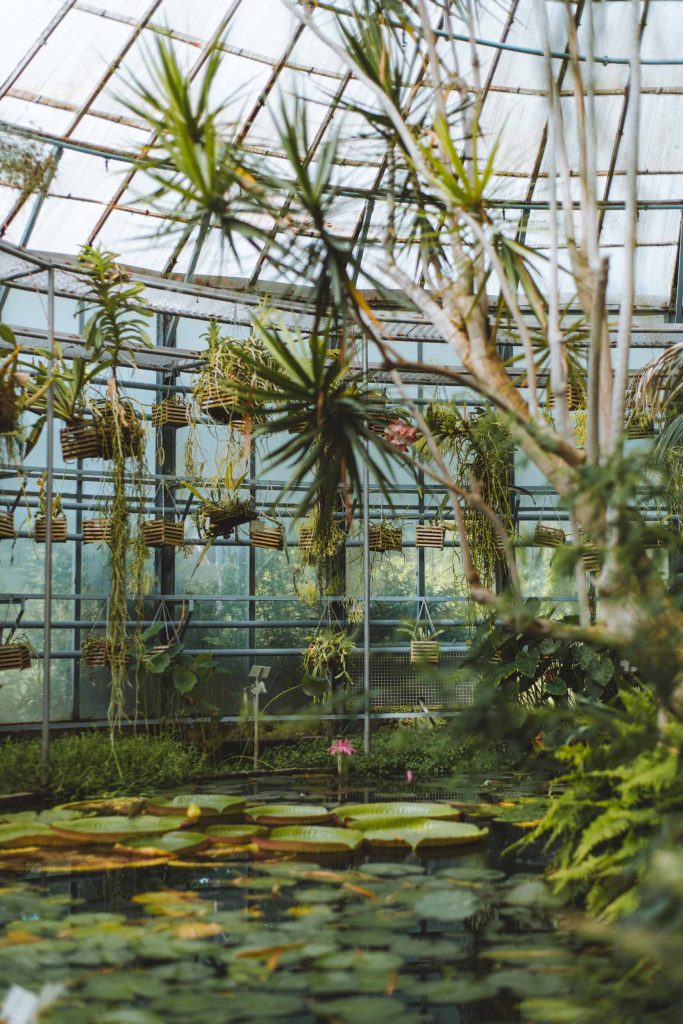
(99, 653)
(385, 538)
(159, 533)
(96, 531)
(58, 529)
(549, 536)
(222, 523)
(80, 440)
(220, 405)
(7, 531)
(576, 397)
(306, 538)
(171, 412)
(640, 427)
(15, 656)
(429, 536)
(591, 558)
(424, 650)
(263, 536)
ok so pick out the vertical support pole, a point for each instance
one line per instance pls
(678, 298)
(257, 688)
(49, 481)
(366, 584)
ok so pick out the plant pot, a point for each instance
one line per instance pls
(171, 412)
(94, 437)
(591, 558)
(7, 531)
(222, 523)
(385, 538)
(267, 536)
(424, 650)
(58, 529)
(640, 427)
(159, 533)
(96, 531)
(15, 656)
(576, 398)
(97, 653)
(306, 538)
(549, 536)
(80, 440)
(429, 536)
(220, 405)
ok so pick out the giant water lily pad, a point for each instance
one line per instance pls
(109, 829)
(426, 833)
(288, 814)
(170, 842)
(311, 839)
(206, 803)
(399, 809)
(234, 835)
(29, 832)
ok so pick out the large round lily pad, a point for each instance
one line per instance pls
(288, 814)
(30, 832)
(205, 803)
(234, 835)
(399, 809)
(158, 846)
(110, 829)
(311, 839)
(426, 833)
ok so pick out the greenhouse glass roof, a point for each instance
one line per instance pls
(66, 67)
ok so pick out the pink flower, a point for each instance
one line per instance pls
(409, 776)
(340, 747)
(400, 435)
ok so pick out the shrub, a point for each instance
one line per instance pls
(92, 765)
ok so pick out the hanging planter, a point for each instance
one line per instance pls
(7, 531)
(591, 558)
(382, 537)
(220, 404)
(220, 521)
(429, 536)
(159, 533)
(100, 653)
(549, 536)
(576, 396)
(640, 425)
(263, 536)
(171, 412)
(306, 537)
(424, 650)
(94, 437)
(58, 529)
(15, 656)
(96, 531)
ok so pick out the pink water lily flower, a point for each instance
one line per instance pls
(340, 747)
(409, 775)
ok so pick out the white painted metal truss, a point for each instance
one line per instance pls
(66, 66)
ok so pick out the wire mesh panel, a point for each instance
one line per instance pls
(396, 684)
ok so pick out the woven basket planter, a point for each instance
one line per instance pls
(222, 524)
(58, 530)
(171, 413)
(98, 653)
(306, 537)
(7, 531)
(385, 538)
(96, 531)
(591, 558)
(220, 405)
(15, 656)
(576, 398)
(267, 536)
(95, 437)
(159, 533)
(80, 440)
(424, 650)
(429, 536)
(549, 536)
(640, 428)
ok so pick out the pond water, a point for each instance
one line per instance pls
(460, 934)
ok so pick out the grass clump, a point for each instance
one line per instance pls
(87, 765)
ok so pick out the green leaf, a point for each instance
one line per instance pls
(208, 803)
(398, 809)
(171, 842)
(448, 905)
(427, 833)
(282, 814)
(311, 839)
(184, 679)
(108, 829)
